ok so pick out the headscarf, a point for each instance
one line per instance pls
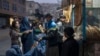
(25, 24)
(27, 39)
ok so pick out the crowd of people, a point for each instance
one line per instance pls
(48, 38)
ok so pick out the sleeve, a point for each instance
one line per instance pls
(17, 34)
(46, 38)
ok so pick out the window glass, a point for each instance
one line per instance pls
(5, 5)
(14, 7)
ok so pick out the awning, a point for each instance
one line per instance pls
(77, 10)
(66, 3)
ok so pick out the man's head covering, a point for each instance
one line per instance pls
(69, 31)
(53, 25)
(48, 15)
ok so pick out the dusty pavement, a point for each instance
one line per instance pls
(4, 41)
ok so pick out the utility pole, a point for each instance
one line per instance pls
(84, 23)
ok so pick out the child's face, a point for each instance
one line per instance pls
(17, 24)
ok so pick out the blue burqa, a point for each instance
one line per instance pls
(14, 51)
(27, 39)
(40, 49)
(41, 45)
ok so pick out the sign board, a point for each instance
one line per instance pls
(89, 3)
(93, 3)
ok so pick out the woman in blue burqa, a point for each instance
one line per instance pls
(27, 39)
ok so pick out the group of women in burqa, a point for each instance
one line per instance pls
(47, 43)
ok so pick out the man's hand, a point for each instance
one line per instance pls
(27, 31)
(40, 39)
(34, 45)
(30, 30)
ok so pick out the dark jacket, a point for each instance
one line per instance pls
(53, 37)
(70, 48)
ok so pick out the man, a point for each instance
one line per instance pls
(52, 37)
(49, 22)
(64, 24)
(59, 25)
(38, 14)
(70, 46)
(91, 19)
